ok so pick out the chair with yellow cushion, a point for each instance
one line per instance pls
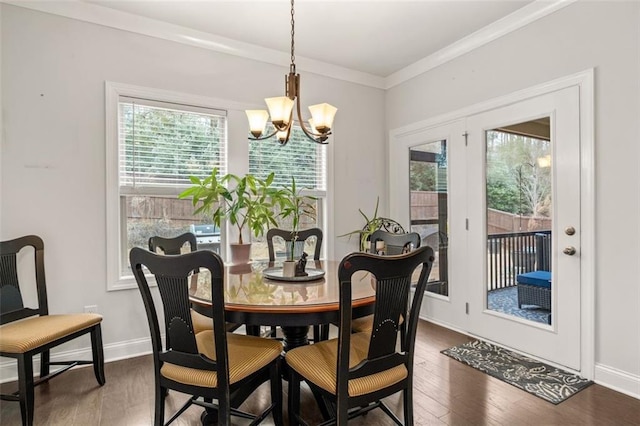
(211, 364)
(355, 371)
(178, 245)
(25, 331)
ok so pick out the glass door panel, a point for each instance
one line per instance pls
(428, 213)
(519, 219)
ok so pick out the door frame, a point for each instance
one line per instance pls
(402, 138)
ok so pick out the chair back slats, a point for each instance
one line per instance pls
(391, 304)
(303, 236)
(11, 301)
(393, 282)
(10, 296)
(174, 292)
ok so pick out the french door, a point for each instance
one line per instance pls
(523, 207)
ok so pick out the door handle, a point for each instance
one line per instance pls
(569, 251)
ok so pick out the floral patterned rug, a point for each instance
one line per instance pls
(542, 380)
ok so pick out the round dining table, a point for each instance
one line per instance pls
(294, 304)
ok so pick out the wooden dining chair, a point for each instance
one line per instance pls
(303, 236)
(394, 244)
(174, 246)
(211, 364)
(320, 332)
(26, 332)
(355, 371)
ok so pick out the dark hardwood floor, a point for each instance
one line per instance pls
(445, 392)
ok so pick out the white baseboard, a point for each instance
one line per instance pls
(112, 352)
(620, 381)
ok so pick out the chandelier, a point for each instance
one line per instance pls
(281, 109)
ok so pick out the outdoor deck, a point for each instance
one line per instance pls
(508, 255)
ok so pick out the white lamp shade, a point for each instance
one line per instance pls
(323, 115)
(280, 109)
(313, 126)
(257, 120)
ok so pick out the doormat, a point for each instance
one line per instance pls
(539, 379)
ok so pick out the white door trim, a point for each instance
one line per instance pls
(585, 82)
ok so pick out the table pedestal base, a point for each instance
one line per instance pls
(295, 337)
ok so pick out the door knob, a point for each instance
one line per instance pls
(569, 251)
(569, 230)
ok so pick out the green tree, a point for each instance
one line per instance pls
(515, 181)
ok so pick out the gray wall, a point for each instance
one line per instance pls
(53, 146)
(600, 35)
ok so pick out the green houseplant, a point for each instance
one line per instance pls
(247, 202)
(371, 225)
(295, 205)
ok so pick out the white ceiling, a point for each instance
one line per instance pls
(376, 42)
(375, 37)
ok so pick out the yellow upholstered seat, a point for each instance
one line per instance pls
(30, 333)
(317, 363)
(247, 354)
(362, 324)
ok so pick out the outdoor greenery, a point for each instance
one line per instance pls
(164, 150)
(164, 146)
(422, 176)
(516, 183)
(300, 158)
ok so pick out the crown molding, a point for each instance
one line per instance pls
(137, 24)
(512, 22)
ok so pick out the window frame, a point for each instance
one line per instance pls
(116, 233)
(237, 157)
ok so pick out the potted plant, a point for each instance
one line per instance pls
(295, 205)
(247, 202)
(371, 225)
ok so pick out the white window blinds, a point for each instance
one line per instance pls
(162, 144)
(301, 158)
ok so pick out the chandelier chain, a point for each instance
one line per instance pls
(293, 33)
(322, 114)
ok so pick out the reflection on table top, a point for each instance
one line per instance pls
(247, 290)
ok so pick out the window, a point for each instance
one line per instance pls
(160, 141)
(300, 158)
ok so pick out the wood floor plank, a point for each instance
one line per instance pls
(446, 392)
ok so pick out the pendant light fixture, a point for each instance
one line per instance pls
(281, 109)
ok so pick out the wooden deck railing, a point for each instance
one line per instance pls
(514, 253)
